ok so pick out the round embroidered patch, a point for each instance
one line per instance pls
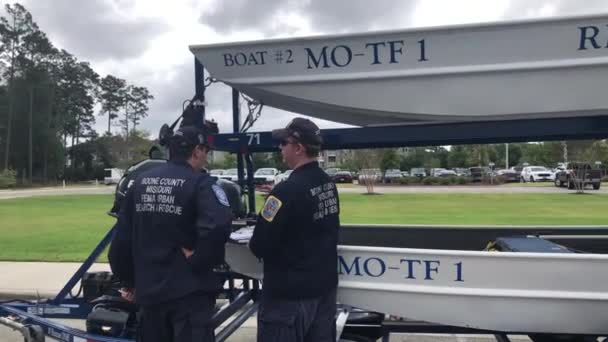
(220, 195)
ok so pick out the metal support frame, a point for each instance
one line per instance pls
(250, 185)
(198, 101)
(483, 132)
(83, 268)
(33, 318)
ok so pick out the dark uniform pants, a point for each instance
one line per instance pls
(183, 320)
(307, 320)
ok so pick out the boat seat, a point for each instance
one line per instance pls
(531, 244)
(365, 317)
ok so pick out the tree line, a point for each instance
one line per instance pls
(49, 101)
(464, 156)
(458, 156)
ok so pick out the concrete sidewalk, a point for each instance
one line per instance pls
(31, 280)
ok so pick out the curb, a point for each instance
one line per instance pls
(8, 294)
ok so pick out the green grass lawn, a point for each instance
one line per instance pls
(58, 228)
(67, 228)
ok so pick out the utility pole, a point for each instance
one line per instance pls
(30, 134)
(506, 155)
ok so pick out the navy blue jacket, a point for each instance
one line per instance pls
(167, 208)
(296, 235)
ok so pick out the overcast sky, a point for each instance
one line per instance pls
(146, 41)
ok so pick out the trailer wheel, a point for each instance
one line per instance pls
(36, 334)
(355, 338)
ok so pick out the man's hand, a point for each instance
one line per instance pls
(187, 252)
(128, 294)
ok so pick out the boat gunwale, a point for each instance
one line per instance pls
(473, 291)
(478, 226)
(421, 72)
(477, 254)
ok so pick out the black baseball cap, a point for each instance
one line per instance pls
(302, 130)
(188, 136)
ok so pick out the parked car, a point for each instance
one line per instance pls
(231, 175)
(479, 173)
(405, 174)
(435, 172)
(392, 176)
(282, 176)
(112, 175)
(517, 169)
(342, 177)
(508, 175)
(265, 175)
(374, 175)
(216, 172)
(462, 172)
(578, 175)
(536, 174)
(418, 172)
(331, 170)
(446, 173)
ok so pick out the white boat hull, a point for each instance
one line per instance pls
(528, 69)
(511, 292)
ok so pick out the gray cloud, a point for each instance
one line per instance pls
(359, 15)
(525, 8)
(94, 29)
(324, 16)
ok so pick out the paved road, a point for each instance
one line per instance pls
(55, 191)
(476, 189)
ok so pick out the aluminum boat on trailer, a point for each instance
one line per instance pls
(552, 290)
(528, 69)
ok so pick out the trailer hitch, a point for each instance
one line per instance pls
(31, 333)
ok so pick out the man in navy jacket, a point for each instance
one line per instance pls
(170, 234)
(296, 235)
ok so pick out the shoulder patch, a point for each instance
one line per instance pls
(220, 195)
(271, 208)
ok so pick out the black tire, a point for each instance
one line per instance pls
(558, 183)
(596, 186)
